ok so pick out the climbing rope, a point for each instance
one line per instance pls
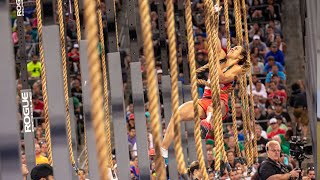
(226, 18)
(238, 22)
(76, 10)
(65, 80)
(244, 116)
(105, 87)
(44, 82)
(174, 87)
(152, 84)
(96, 89)
(250, 116)
(194, 88)
(234, 123)
(252, 119)
(214, 78)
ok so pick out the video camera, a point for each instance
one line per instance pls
(297, 148)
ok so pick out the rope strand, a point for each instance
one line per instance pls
(76, 12)
(194, 88)
(96, 89)
(65, 80)
(174, 87)
(44, 82)
(152, 83)
(105, 87)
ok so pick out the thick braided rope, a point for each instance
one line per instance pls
(234, 123)
(213, 76)
(174, 87)
(246, 107)
(202, 68)
(65, 80)
(226, 17)
(152, 84)
(105, 87)
(249, 115)
(238, 22)
(96, 89)
(44, 82)
(244, 115)
(77, 15)
(255, 147)
(194, 88)
(255, 150)
(215, 18)
(76, 11)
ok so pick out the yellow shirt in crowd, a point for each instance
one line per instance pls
(41, 160)
(34, 69)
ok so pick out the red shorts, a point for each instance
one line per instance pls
(204, 102)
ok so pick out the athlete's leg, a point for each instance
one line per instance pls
(186, 114)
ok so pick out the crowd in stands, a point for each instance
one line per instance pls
(274, 100)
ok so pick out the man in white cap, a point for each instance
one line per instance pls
(257, 43)
(275, 128)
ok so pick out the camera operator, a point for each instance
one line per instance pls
(271, 168)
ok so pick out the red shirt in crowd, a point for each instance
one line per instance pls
(272, 133)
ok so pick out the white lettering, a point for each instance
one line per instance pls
(27, 111)
(20, 8)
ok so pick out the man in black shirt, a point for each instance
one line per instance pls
(271, 168)
(261, 141)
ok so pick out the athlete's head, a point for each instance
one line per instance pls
(237, 53)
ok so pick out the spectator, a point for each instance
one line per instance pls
(311, 173)
(261, 141)
(233, 175)
(280, 44)
(279, 111)
(195, 170)
(284, 148)
(256, 64)
(275, 71)
(25, 171)
(270, 62)
(134, 167)
(275, 128)
(276, 53)
(44, 149)
(232, 146)
(258, 91)
(132, 138)
(42, 171)
(34, 68)
(257, 43)
(40, 159)
(38, 106)
(131, 123)
(280, 122)
(74, 58)
(260, 117)
(231, 158)
(82, 174)
(210, 159)
(76, 90)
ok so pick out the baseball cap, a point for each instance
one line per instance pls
(159, 71)
(273, 120)
(76, 45)
(256, 37)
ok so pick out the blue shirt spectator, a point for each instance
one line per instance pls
(276, 71)
(270, 62)
(276, 53)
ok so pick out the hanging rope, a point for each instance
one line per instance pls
(194, 88)
(234, 123)
(76, 10)
(44, 82)
(96, 89)
(226, 17)
(105, 87)
(213, 76)
(174, 87)
(252, 119)
(244, 116)
(65, 80)
(152, 84)
(249, 115)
